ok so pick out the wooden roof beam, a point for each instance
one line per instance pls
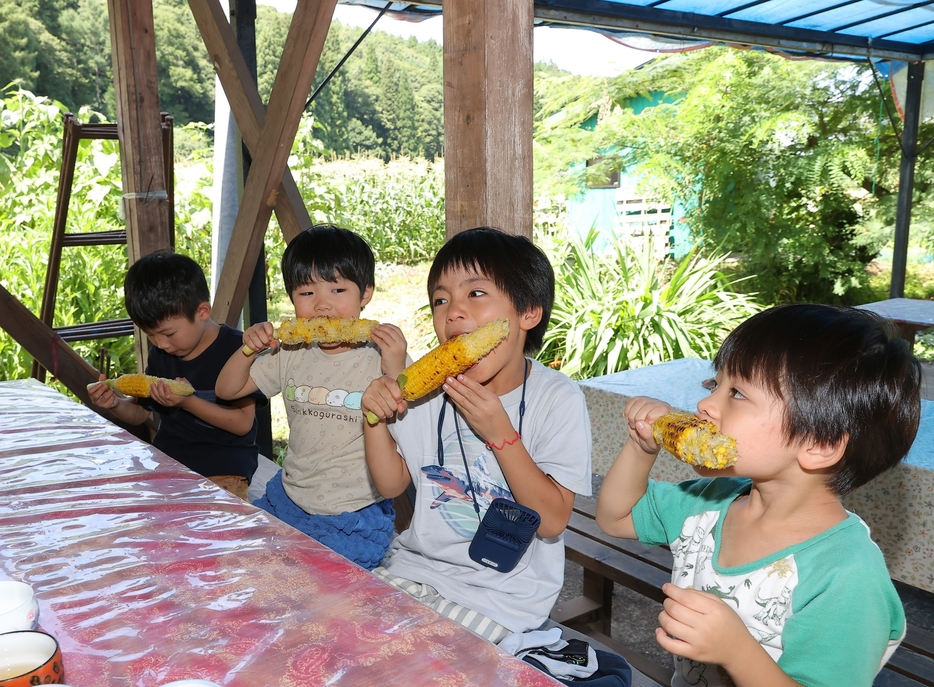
(246, 105)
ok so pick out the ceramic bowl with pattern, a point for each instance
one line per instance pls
(30, 657)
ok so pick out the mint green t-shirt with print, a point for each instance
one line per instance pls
(825, 609)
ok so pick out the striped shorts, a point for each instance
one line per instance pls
(477, 623)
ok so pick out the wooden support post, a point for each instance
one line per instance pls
(906, 178)
(488, 114)
(294, 78)
(139, 126)
(246, 105)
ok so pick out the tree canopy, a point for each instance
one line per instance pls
(785, 163)
(385, 100)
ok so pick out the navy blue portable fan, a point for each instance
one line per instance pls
(504, 534)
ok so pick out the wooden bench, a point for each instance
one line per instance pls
(607, 561)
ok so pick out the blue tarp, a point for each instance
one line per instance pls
(893, 29)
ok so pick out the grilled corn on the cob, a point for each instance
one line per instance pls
(138, 385)
(695, 441)
(301, 330)
(454, 356)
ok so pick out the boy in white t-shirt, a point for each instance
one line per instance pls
(774, 583)
(508, 427)
(324, 488)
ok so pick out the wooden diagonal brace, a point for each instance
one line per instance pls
(246, 105)
(41, 342)
(294, 78)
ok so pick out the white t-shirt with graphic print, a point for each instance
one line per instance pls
(825, 610)
(434, 549)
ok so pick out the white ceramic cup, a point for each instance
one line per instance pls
(19, 608)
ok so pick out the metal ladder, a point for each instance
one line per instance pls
(74, 133)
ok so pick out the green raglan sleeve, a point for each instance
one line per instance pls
(846, 617)
(659, 515)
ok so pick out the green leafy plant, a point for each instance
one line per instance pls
(779, 162)
(90, 285)
(630, 307)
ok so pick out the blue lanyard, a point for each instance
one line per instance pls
(460, 442)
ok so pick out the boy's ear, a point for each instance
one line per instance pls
(815, 456)
(530, 318)
(203, 313)
(366, 297)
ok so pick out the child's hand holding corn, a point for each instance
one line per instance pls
(102, 395)
(259, 337)
(382, 399)
(161, 393)
(653, 425)
(641, 413)
(392, 348)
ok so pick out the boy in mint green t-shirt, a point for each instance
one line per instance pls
(774, 583)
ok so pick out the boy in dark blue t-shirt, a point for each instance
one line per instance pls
(167, 296)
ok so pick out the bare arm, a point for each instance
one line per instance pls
(529, 485)
(387, 468)
(127, 409)
(234, 380)
(236, 418)
(627, 479)
(533, 488)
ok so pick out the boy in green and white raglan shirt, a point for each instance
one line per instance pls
(774, 583)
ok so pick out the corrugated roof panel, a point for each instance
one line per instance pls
(863, 10)
(636, 3)
(896, 23)
(917, 36)
(881, 28)
(780, 11)
(706, 7)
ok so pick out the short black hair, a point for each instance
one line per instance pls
(516, 265)
(843, 373)
(161, 285)
(326, 252)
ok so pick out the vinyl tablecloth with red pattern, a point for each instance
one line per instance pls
(147, 573)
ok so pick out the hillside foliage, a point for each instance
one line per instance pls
(790, 166)
(397, 206)
(385, 100)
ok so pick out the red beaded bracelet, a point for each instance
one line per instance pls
(506, 442)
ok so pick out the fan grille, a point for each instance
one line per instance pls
(509, 525)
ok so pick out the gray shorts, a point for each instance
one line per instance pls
(477, 623)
